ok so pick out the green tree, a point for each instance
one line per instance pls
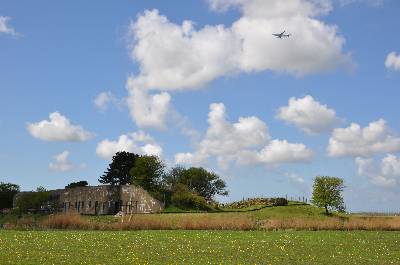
(7, 192)
(206, 184)
(173, 177)
(148, 172)
(32, 200)
(117, 172)
(327, 193)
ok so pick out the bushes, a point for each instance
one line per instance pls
(256, 202)
(82, 183)
(32, 201)
(279, 201)
(189, 200)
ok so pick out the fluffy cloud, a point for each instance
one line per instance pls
(374, 3)
(58, 128)
(224, 139)
(308, 115)
(61, 163)
(104, 99)
(294, 178)
(363, 142)
(239, 142)
(137, 142)
(386, 174)
(148, 110)
(393, 61)
(4, 27)
(178, 57)
(274, 8)
(278, 152)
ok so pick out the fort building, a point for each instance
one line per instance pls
(102, 200)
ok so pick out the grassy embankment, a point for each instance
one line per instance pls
(297, 217)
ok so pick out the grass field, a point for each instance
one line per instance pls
(198, 244)
(199, 247)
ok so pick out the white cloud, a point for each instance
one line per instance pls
(375, 3)
(298, 182)
(239, 142)
(273, 8)
(386, 174)
(364, 142)
(146, 109)
(104, 99)
(61, 163)
(179, 57)
(308, 115)
(173, 56)
(58, 128)
(224, 139)
(391, 166)
(393, 61)
(278, 152)
(4, 27)
(137, 142)
(293, 177)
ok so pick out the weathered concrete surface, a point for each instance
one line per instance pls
(104, 199)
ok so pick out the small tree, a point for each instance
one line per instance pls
(148, 172)
(33, 200)
(82, 183)
(7, 192)
(117, 172)
(327, 193)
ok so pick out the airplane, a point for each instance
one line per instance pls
(281, 35)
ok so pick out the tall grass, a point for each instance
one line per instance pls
(186, 222)
(224, 221)
(333, 223)
(152, 222)
(67, 221)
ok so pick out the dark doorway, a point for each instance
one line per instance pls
(96, 208)
(116, 207)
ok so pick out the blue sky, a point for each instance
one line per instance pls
(134, 76)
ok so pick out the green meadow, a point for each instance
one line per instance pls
(199, 247)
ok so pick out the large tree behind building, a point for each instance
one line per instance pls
(117, 172)
(148, 172)
(327, 193)
(7, 192)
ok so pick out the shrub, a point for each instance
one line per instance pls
(279, 202)
(32, 201)
(256, 202)
(82, 183)
(185, 199)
